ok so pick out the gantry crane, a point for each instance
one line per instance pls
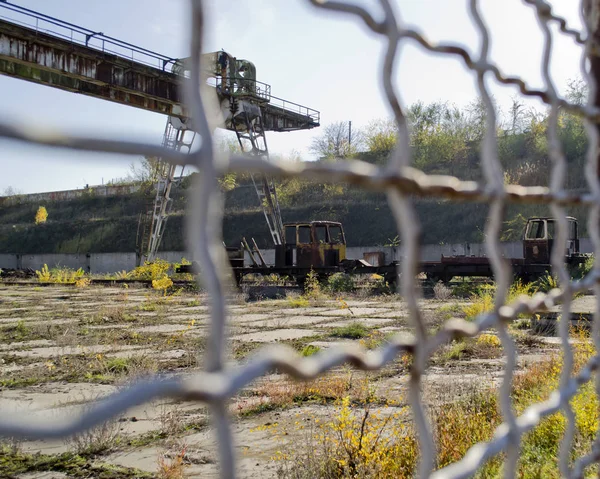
(249, 110)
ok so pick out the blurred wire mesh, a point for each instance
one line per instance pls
(220, 382)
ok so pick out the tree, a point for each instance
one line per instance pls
(228, 146)
(150, 170)
(41, 216)
(337, 141)
(380, 136)
(10, 191)
(439, 137)
(516, 116)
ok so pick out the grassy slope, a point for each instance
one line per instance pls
(97, 224)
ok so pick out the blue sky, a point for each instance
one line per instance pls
(324, 61)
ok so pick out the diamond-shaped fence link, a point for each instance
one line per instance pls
(219, 382)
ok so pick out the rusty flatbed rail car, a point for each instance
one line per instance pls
(320, 246)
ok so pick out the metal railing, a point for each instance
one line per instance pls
(82, 36)
(263, 91)
(219, 382)
(252, 88)
(292, 107)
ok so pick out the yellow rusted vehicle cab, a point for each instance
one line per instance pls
(315, 244)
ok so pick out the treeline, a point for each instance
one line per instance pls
(444, 139)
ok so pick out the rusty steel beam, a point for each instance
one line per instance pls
(50, 60)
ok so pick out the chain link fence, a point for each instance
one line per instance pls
(218, 382)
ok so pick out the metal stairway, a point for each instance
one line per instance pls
(252, 140)
(174, 138)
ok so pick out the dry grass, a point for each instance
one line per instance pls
(171, 466)
(275, 393)
(97, 440)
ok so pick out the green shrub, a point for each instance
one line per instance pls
(341, 283)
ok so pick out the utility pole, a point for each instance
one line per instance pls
(349, 132)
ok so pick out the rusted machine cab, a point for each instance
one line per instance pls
(317, 244)
(538, 240)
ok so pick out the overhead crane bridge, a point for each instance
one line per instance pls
(49, 51)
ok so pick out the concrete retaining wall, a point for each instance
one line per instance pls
(100, 263)
(8, 261)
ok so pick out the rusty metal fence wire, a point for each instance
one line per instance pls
(219, 382)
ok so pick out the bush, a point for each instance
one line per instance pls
(156, 269)
(578, 271)
(341, 283)
(41, 215)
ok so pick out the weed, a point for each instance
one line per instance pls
(82, 282)
(528, 340)
(171, 467)
(580, 270)
(105, 369)
(10, 445)
(467, 288)
(461, 424)
(522, 323)
(441, 292)
(171, 420)
(18, 464)
(352, 331)
(379, 286)
(59, 275)
(121, 275)
(99, 439)
(156, 269)
(361, 443)
(21, 330)
(546, 283)
(489, 340)
(449, 310)
(162, 284)
(483, 301)
(298, 302)
(486, 346)
(309, 350)
(285, 393)
(312, 287)
(374, 339)
(357, 444)
(110, 315)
